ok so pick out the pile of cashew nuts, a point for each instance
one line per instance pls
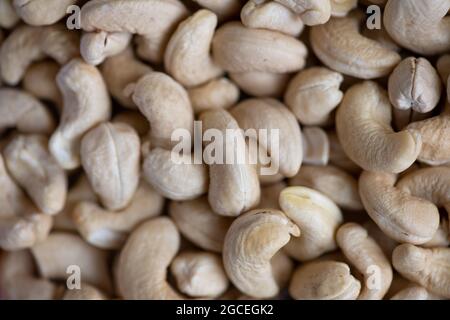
(93, 207)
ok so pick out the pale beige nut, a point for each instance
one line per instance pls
(110, 154)
(199, 274)
(251, 242)
(261, 84)
(324, 280)
(316, 147)
(270, 195)
(42, 12)
(224, 9)
(428, 267)
(368, 258)
(338, 156)
(415, 292)
(142, 267)
(86, 292)
(95, 47)
(109, 229)
(340, 8)
(312, 12)
(415, 84)
(333, 182)
(443, 67)
(340, 46)
(313, 94)
(363, 122)
(86, 104)
(134, 119)
(8, 16)
(199, 224)
(318, 234)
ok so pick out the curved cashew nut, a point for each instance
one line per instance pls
(415, 293)
(225, 9)
(143, 262)
(134, 119)
(251, 242)
(316, 147)
(261, 84)
(428, 267)
(86, 103)
(363, 122)
(340, 46)
(312, 12)
(324, 280)
(318, 219)
(410, 24)
(95, 47)
(42, 12)
(86, 292)
(368, 258)
(189, 62)
(8, 16)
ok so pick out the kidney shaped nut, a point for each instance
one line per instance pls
(200, 274)
(318, 219)
(324, 280)
(363, 122)
(8, 16)
(110, 154)
(411, 24)
(95, 47)
(415, 84)
(142, 266)
(24, 112)
(27, 44)
(86, 292)
(316, 147)
(428, 267)
(251, 242)
(341, 47)
(239, 49)
(86, 103)
(368, 258)
(261, 84)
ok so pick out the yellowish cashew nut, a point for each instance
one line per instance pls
(8, 16)
(415, 84)
(224, 9)
(428, 267)
(199, 224)
(415, 293)
(135, 120)
(318, 219)
(110, 154)
(324, 280)
(24, 112)
(142, 267)
(313, 94)
(86, 103)
(109, 229)
(251, 242)
(261, 84)
(188, 61)
(410, 24)
(368, 258)
(95, 47)
(316, 147)
(200, 274)
(312, 12)
(42, 12)
(363, 122)
(340, 8)
(32, 166)
(340, 46)
(86, 292)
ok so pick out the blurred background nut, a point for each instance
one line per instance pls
(8, 16)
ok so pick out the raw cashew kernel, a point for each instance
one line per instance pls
(95, 47)
(316, 147)
(42, 12)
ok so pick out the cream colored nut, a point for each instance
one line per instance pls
(18, 281)
(313, 94)
(324, 280)
(142, 267)
(8, 16)
(219, 93)
(363, 122)
(239, 49)
(419, 25)
(272, 16)
(135, 120)
(340, 8)
(428, 267)
(110, 154)
(233, 188)
(200, 274)
(95, 47)
(199, 224)
(333, 182)
(261, 84)
(188, 61)
(312, 12)
(86, 104)
(154, 20)
(271, 115)
(30, 163)
(24, 112)
(415, 293)
(86, 292)
(400, 215)
(443, 67)
(340, 46)
(300, 204)
(121, 70)
(27, 44)
(338, 156)
(61, 250)
(251, 242)
(415, 84)
(368, 258)
(224, 9)
(270, 195)
(316, 147)
(155, 92)
(109, 229)
(176, 181)
(42, 12)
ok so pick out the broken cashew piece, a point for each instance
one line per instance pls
(95, 47)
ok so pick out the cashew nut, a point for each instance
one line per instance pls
(312, 12)
(340, 8)
(261, 84)
(95, 47)
(42, 12)
(316, 147)
(8, 16)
